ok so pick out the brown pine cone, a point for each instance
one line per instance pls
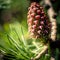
(38, 23)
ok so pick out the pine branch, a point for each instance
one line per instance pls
(41, 53)
(52, 16)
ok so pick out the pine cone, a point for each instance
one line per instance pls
(38, 23)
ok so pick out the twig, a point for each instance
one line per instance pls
(52, 17)
(52, 58)
(41, 53)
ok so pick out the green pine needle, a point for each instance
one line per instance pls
(16, 46)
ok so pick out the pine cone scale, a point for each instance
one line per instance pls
(38, 23)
